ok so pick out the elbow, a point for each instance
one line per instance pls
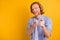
(49, 35)
(28, 33)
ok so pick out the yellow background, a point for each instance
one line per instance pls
(14, 16)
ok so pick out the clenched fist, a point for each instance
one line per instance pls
(42, 22)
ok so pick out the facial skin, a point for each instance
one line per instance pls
(36, 9)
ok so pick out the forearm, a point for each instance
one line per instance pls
(29, 31)
(46, 32)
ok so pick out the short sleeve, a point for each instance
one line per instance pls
(49, 24)
(29, 23)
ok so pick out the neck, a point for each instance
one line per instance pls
(38, 16)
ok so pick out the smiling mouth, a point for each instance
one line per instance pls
(35, 12)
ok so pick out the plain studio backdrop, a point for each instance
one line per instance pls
(14, 16)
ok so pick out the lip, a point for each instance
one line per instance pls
(35, 12)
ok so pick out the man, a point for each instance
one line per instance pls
(39, 26)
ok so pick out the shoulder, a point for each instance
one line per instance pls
(47, 18)
(31, 19)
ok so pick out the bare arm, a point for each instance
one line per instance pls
(29, 31)
(46, 31)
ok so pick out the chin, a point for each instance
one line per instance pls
(36, 15)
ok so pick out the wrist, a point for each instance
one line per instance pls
(43, 26)
(33, 26)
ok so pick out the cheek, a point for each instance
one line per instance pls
(39, 10)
